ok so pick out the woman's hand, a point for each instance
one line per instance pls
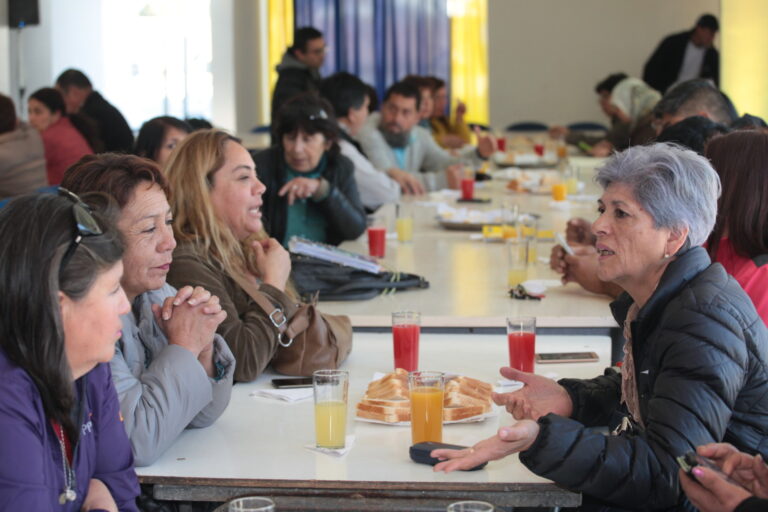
(193, 297)
(191, 326)
(99, 497)
(273, 262)
(711, 492)
(748, 471)
(539, 396)
(299, 188)
(508, 440)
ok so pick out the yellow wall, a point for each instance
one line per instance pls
(744, 54)
(469, 60)
(280, 35)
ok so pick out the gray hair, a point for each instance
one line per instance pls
(676, 186)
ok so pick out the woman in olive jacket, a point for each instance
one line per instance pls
(694, 369)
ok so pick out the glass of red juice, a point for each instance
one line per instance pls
(406, 327)
(538, 148)
(521, 340)
(467, 188)
(501, 144)
(377, 241)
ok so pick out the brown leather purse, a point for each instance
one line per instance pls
(309, 340)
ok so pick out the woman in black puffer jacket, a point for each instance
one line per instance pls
(694, 370)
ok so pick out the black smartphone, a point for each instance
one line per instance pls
(420, 452)
(690, 460)
(482, 200)
(567, 357)
(298, 382)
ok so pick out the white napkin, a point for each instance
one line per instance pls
(340, 452)
(286, 395)
(560, 205)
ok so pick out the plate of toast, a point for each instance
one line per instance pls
(387, 400)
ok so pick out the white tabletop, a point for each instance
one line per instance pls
(468, 277)
(260, 439)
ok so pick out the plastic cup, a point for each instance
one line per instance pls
(521, 341)
(377, 241)
(467, 188)
(406, 328)
(331, 390)
(559, 191)
(251, 504)
(426, 393)
(470, 506)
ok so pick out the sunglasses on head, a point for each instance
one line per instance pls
(84, 222)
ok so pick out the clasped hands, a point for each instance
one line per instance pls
(539, 396)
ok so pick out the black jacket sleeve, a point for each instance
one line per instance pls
(594, 400)
(690, 404)
(342, 207)
(752, 504)
(663, 66)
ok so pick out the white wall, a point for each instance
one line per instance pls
(547, 55)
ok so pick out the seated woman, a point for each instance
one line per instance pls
(739, 240)
(311, 189)
(159, 136)
(216, 205)
(66, 137)
(695, 356)
(170, 369)
(22, 156)
(63, 444)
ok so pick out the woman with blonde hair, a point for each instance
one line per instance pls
(222, 245)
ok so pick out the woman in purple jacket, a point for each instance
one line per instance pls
(63, 446)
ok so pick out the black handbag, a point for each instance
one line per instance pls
(338, 282)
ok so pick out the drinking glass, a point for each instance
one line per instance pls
(426, 390)
(521, 340)
(251, 504)
(518, 260)
(331, 390)
(406, 328)
(470, 506)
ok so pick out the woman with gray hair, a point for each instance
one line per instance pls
(694, 368)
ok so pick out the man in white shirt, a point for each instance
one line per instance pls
(391, 139)
(349, 97)
(685, 56)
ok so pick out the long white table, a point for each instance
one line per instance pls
(257, 446)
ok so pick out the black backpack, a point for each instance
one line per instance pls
(338, 282)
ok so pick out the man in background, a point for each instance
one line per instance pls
(392, 140)
(685, 56)
(693, 98)
(79, 96)
(299, 70)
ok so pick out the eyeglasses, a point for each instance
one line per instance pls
(84, 222)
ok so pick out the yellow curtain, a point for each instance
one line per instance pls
(743, 59)
(280, 37)
(469, 59)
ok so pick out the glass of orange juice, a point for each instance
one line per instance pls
(331, 390)
(426, 390)
(559, 191)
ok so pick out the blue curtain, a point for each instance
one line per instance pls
(381, 41)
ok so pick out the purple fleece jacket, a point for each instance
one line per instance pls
(31, 472)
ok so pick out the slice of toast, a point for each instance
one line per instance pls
(460, 413)
(384, 413)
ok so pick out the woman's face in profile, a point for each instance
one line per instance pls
(92, 323)
(303, 151)
(40, 116)
(171, 139)
(145, 226)
(236, 192)
(629, 246)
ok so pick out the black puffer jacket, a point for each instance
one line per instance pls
(700, 352)
(342, 207)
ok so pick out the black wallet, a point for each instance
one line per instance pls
(420, 452)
